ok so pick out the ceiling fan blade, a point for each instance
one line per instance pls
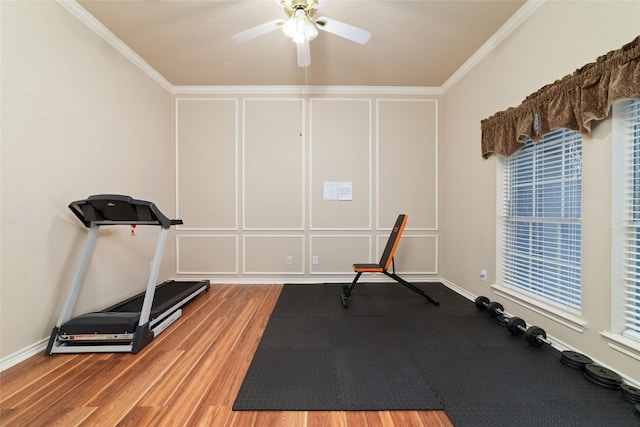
(341, 29)
(304, 54)
(254, 32)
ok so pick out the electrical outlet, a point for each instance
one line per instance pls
(483, 275)
(314, 260)
(289, 259)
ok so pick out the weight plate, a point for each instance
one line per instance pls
(532, 335)
(572, 364)
(516, 326)
(630, 393)
(575, 360)
(495, 309)
(603, 375)
(600, 383)
(482, 302)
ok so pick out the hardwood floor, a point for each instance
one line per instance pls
(188, 376)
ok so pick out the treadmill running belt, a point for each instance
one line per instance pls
(166, 295)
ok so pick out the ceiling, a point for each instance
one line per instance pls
(413, 43)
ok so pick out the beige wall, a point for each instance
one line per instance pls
(251, 174)
(557, 39)
(77, 119)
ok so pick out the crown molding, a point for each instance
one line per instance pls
(96, 26)
(503, 32)
(307, 90)
(512, 24)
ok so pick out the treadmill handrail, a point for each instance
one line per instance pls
(118, 209)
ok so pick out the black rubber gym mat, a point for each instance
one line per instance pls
(315, 355)
(392, 350)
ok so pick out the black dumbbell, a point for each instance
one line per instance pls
(494, 309)
(534, 335)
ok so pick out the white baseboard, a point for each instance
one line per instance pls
(21, 355)
(457, 289)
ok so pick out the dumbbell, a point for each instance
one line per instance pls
(494, 309)
(534, 335)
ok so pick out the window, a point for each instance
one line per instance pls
(626, 217)
(542, 219)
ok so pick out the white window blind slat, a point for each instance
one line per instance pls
(629, 133)
(542, 219)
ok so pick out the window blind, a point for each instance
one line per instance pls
(542, 219)
(630, 128)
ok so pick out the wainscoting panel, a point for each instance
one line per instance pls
(336, 253)
(407, 153)
(206, 162)
(341, 153)
(207, 254)
(273, 164)
(273, 254)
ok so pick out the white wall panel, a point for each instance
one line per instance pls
(340, 151)
(415, 254)
(273, 254)
(207, 159)
(273, 164)
(337, 253)
(207, 254)
(407, 149)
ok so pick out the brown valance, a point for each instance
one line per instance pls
(572, 102)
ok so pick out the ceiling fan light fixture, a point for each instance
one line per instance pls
(300, 28)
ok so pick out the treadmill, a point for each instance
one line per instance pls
(133, 323)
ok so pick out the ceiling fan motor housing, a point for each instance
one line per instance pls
(291, 7)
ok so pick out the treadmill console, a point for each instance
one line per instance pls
(109, 209)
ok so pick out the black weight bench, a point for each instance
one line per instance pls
(386, 261)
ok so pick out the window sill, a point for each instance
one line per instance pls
(569, 320)
(623, 344)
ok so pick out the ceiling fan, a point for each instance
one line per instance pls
(302, 26)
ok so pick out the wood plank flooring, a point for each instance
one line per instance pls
(188, 376)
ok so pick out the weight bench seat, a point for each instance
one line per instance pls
(386, 261)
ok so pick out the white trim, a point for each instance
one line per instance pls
(303, 195)
(503, 32)
(382, 240)
(623, 344)
(459, 290)
(369, 237)
(236, 157)
(103, 32)
(564, 318)
(380, 101)
(273, 236)
(274, 279)
(620, 152)
(369, 162)
(23, 354)
(307, 90)
(236, 239)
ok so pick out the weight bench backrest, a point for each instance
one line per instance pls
(392, 243)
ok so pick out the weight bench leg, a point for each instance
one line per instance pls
(410, 286)
(346, 290)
